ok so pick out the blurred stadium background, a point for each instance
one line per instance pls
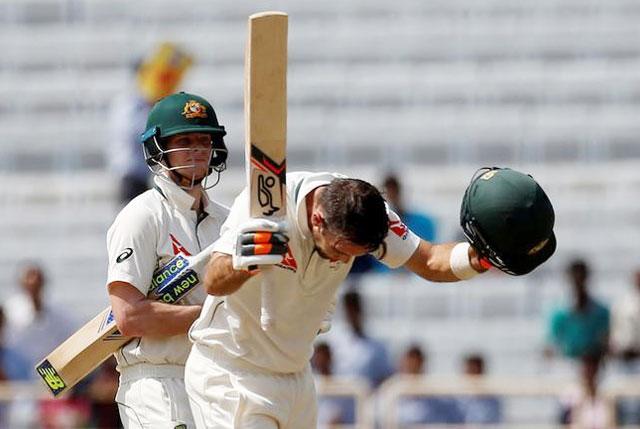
(431, 90)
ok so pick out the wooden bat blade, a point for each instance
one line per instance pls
(266, 113)
(81, 353)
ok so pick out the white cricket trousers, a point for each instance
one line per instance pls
(153, 397)
(228, 393)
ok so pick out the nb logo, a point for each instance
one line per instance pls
(51, 377)
(53, 380)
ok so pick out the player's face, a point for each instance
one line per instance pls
(333, 247)
(189, 155)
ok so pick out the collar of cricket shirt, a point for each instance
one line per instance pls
(176, 195)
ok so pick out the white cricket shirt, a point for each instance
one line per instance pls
(147, 233)
(305, 284)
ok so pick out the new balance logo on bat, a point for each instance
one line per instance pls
(51, 377)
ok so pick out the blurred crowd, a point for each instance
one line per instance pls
(353, 353)
(585, 331)
(30, 328)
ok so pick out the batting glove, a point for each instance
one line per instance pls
(260, 242)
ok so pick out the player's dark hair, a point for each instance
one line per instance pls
(355, 210)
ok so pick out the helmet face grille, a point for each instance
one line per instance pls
(154, 155)
(471, 230)
(474, 236)
(153, 152)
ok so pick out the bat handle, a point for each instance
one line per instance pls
(267, 307)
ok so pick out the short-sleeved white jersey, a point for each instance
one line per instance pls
(147, 233)
(305, 284)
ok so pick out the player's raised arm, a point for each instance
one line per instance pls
(507, 218)
(221, 279)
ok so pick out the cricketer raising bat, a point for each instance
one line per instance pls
(265, 107)
(92, 344)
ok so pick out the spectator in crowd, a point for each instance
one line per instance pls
(625, 325)
(90, 404)
(72, 411)
(332, 410)
(13, 367)
(483, 409)
(582, 328)
(625, 345)
(414, 410)
(421, 223)
(101, 390)
(582, 407)
(35, 328)
(357, 354)
(156, 76)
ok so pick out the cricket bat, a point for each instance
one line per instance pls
(93, 343)
(265, 107)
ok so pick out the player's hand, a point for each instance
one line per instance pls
(260, 242)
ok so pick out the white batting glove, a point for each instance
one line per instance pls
(260, 242)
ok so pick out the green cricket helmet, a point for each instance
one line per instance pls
(183, 113)
(508, 218)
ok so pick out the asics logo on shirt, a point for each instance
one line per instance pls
(126, 253)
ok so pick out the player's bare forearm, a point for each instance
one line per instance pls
(138, 316)
(432, 262)
(221, 279)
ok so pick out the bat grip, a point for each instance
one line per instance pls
(267, 307)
